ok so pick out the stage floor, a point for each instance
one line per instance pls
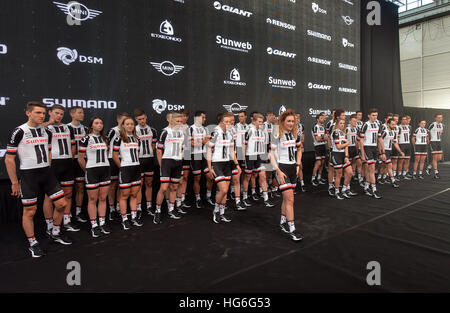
(407, 232)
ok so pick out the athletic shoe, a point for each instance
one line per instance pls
(225, 218)
(80, 218)
(198, 204)
(216, 217)
(345, 195)
(105, 230)
(71, 227)
(150, 212)
(381, 181)
(157, 218)
(180, 210)
(362, 184)
(112, 215)
(302, 189)
(436, 176)
(314, 182)
(96, 232)
(414, 177)
(126, 225)
(246, 203)
(295, 236)
(136, 222)
(255, 197)
(209, 200)
(350, 193)
(368, 192)
(174, 215)
(276, 193)
(48, 233)
(427, 170)
(331, 191)
(240, 207)
(408, 175)
(395, 185)
(376, 195)
(285, 227)
(36, 251)
(138, 214)
(421, 176)
(268, 204)
(322, 181)
(339, 196)
(62, 239)
(185, 205)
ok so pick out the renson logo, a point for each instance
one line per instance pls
(235, 108)
(318, 35)
(319, 86)
(68, 56)
(280, 24)
(235, 79)
(77, 11)
(348, 90)
(218, 6)
(231, 44)
(166, 32)
(3, 49)
(317, 9)
(282, 83)
(319, 61)
(161, 105)
(280, 53)
(87, 104)
(347, 43)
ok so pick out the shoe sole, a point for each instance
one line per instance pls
(62, 242)
(34, 255)
(71, 230)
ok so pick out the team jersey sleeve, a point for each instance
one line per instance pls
(384, 134)
(155, 135)
(315, 130)
(72, 136)
(395, 137)
(431, 126)
(50, 136)
(273, 141)
(14, 141)
(335, 136)
(83, 144)
(116, 144)
(110, 135)
(247, 136)
(213, 140)
(362, 133)
(415, 132)
(162, 140)
(298, 142)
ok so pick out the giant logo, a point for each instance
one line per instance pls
(3, 49)
(167, 32)
(319, 86)
(218, 6)
(68, 56)
(235, 108)
(231, 44)
(161, 105)
(167, 68)
(86, 104)
(280, 53)
(78, 11)
(235, 79)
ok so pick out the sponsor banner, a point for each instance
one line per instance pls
(348, 90)
(235, 79)
(318, 35)
(319, 86)
(223, 7)
(281, 24)
(161, 105)
(235, 108)
(313, 112)
(348, 67)
(272, 51)
(319, 61)
(166, 32)
(86, 104)
(282, 83)
(167, 68)
(241, 46)
(69, 56)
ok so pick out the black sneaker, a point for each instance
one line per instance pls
(136, 222)
(112, 215)
(36, 251)
(314, 182)
(394, 184)
(224, 218)
(285, 227)
(185, 205)
(331, 191)
(174, 215)
(80, 218)
(150, 212)
(351, 193)
(209, 201)
(62, 239)
(436, 176)
(138, 214)
(346, 195)
(216, 217)
(255, 197)
(427, 170)
(96, 232)
(302, 189)
(339, 195)
(126, 224)
(157, 218)
(240, 207)
(105, 230)
(181, 211)
(414, 177)
(48, 233)
(368, 192)
(277, 193)
(376, 195)
(322, 181)
(381, 181)
(421, 176)
(246, 203)
(362, 183)
(268, 204)
(198, 204)
(71, 227)
(295, 236)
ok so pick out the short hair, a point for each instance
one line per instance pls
(31, 105)
(388, 115)
(185, 112)
(257, 116)
(57, 107)
(437, 114)
(353, 116)
(176, 115)
(221, 116)
(357, 112)
(138, 112)
(242, 111)
(320, 114)
(373, 110)
(74, 109)
(199, 113)
(338, 113)
(122, 114)
(396, 115)
(404, 116)
(390, 120)
(268, 112)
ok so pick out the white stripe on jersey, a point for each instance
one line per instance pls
(436, 131)
(241, 129)
(285, 147)
(112, 135)
(338, 137)
(172, 142)
(319, 131)
(198, 134)
(421, 135)
(96, 151)
(370, 133)
(255, 141)
(405, 134)
(389, 138)
(351, 135)
(147, 137)
(63, 139)
(129, 151)
(222, 144)
(79, 132)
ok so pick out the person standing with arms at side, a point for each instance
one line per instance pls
(93, 159)
(181, 191)
(404, 141)
(79, 131)
(389, 137)
(353, 147)
(31, 142)
(301, 134)
(436, 130)
(420, 142)
(320, 139)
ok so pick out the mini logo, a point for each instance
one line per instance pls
(316, 8)
(319, 86)
(233, 44)
(347, 43)
(280, 53)
(280, 24)
(3, 49)
(161, 105)
(3, 100)
(167, 32)
(167, 68)
(348, 20)
(318, 35)
(235, 108)
(78, 11)
(218, 6)
(235, 79)
(68, 56)
(282, 83)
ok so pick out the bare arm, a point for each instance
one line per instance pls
(12, 173)
(82, 160)
(116, 158)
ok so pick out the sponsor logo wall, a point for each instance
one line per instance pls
(172, 55)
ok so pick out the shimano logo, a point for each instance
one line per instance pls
(3, 49)
(166, 32)
(235, 108)
(69, 56)
(348, 20)
(161, 105)
(77, 11)
(348, 90)
(319, 86)
(348, 67)
(218, 6)
(3, 100)
(86, 104)
(280, 53)
(347, 43)
(317, 9)
(319, 61)
(282, 83)
(280, 24)
(318, 35)
(167, 68)
(235, 79)
(233, 44)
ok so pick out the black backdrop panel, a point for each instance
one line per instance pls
(174, 54)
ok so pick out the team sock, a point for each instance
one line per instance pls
(56, 230)
(158, 209)
(283, 219)
(101, 220)
(32, 241)
(94, 223)
(149, 205)
(49, 223)
(66, 219)
(171, 207)
(291, 226)
(78, 210)
(222, 209)
(124, 218)
(265, 196)
(216, 208)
